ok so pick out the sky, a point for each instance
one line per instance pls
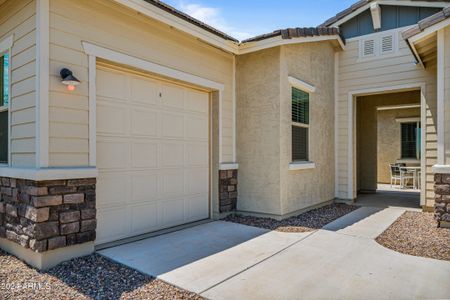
(247, 18)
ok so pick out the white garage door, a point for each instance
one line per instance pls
(152, 155)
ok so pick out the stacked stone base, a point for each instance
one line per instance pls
(442, 199)
(47, 215)
(227, 190)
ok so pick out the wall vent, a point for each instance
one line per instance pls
(368, 48)
(387, 44)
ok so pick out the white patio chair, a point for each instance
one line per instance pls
(406, 175)
(395, 174)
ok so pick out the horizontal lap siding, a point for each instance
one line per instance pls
(120, 29)
(18, 18)
(355, 74)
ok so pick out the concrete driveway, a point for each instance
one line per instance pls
(221, 260)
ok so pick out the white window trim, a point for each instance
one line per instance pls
(408, 120)
(301, 165)
(5, 47)
(308, 88)
(301, 85)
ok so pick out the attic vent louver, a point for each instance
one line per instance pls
(387, 44)
(368, 48)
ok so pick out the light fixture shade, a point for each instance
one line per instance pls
(68, 78)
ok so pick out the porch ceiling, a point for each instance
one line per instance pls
(427, 50)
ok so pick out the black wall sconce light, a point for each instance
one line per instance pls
(68, 79)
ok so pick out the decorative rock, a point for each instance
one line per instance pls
(85, 237)
(58, 190)
(69, 217)
(88, 214)
(36, 191)
(37, 214)
(2, 232)
(71, 239)
(442, 189)
(11, 210)
(2, 208)
(38, 246)
(73, 198)
(56, 242)
(78, 182)
(70, 228)
(6, 191)
(47, 201)
(42, 231)
(88, 225)
(445, 178)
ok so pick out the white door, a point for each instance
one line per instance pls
(152, 155)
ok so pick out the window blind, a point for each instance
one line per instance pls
(300, 106)
(409, 140)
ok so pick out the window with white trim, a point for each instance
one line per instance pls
(4, 104)
(300, 125)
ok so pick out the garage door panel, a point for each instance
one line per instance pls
(144, 91)
(112, 189)
(114, 154)
(196, 180)
(196, 127)
(112, 119)
(112, 84)
(196, 101)
(144, 217)
(152, 155)
(172, 96)
(144, 122)
(144, 154)
(145, 187)
(196, 154)
(172, 212)
(197, 207)
(172, 125)
(113, 223)
(172, 154)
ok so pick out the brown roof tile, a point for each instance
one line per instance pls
(426, 23)
(290, 33)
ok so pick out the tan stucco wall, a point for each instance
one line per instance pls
(112, 26)
(389, 139)
(18, 18)
(258, 131)
(264, 128)
(314, 64)
(367, 133)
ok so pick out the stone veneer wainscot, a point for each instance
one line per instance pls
(228, 190)
(46, 215)
(442, 199)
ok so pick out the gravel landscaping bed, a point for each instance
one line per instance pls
(90, 277)
(308, 221)
(416, 233)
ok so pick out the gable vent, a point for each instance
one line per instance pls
(369, 47)
(387, 44)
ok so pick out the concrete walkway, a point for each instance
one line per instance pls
(222, 260)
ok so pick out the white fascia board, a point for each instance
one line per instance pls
(430, 30)
(279, 41)
(375, 11)
(158, 14)
(300, 84)
(151, 67)
(48, 173)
